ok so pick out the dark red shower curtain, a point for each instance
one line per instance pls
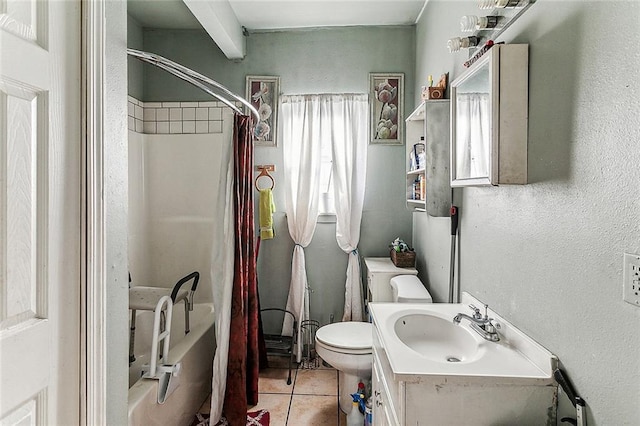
(242, 370)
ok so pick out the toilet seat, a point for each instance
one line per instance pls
(349, 337)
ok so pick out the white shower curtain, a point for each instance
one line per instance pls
(473, 130)
(222, 270)
(302, 133)
(349, 118)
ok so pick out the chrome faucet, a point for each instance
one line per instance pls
(482, 325)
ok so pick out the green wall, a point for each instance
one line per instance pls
(134, 66)
(548, 256)
(334, 60)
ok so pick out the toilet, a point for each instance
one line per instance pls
(347, 346)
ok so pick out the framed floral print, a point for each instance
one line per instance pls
(262, 93)
(386, 99)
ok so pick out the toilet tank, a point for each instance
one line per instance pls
(380, 270)
(409, 289)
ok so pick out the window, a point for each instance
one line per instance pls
(326, 204)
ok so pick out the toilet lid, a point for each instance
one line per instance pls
(347, 335)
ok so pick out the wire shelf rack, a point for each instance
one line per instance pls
(310, 359)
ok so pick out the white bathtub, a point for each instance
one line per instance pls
(195, 353)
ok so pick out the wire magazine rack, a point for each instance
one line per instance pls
(310, 359)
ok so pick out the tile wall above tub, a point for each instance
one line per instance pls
(175, 117)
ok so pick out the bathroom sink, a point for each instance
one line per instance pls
(437, 339)
(421, 339)
(423, 362)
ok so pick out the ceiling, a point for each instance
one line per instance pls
(282, 14)
(167, 14)
(226, 20)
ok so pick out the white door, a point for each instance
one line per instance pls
(40, 212)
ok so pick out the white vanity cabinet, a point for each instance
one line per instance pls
(380, 270)
(411, 400)
(384, 389)
(404, 400)
(489, 116)
(411, 389)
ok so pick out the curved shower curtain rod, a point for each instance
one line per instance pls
(198, 80)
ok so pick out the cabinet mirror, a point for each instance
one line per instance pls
(489, 119)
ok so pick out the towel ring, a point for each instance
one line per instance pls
(265, 173)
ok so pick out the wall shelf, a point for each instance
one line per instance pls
(429, 124)
(508, 16)
(418, 205)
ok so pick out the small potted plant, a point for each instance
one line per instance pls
(402, 255)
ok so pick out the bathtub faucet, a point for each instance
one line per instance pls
(482, 325)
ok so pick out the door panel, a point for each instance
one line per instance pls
(39, 212)
(23, 155)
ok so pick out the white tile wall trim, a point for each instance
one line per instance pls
(175, 117)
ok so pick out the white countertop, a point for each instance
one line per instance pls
(514, 358)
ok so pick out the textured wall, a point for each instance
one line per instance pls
(314, 61)
(115, 214)
(548, 255)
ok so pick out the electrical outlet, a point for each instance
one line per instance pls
(631, 284)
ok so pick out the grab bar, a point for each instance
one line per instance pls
(188, 302)
(176, 288)
(159, 335)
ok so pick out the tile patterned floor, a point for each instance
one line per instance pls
(310, 400)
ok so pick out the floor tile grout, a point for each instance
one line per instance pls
(293, 388)
(314, 391)
(291, 392)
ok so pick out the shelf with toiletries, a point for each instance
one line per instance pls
(416, 188)
(482, 30)
(416, 176)
(427, 174)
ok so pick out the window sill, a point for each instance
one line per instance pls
(327, 218)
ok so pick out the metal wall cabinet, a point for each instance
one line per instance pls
(431, 120)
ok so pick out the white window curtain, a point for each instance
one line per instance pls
(303, 129)
(349, 117)
(473, 130)
(311, 125)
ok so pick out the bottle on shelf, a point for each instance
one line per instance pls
(502, 4)
(470, 23)
(418, 154)
(457, 43)
(422, 160)
(410, 192)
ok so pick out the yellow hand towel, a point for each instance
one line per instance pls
(267, 208)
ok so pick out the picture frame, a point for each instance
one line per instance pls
(386, 101)
(262, 92)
